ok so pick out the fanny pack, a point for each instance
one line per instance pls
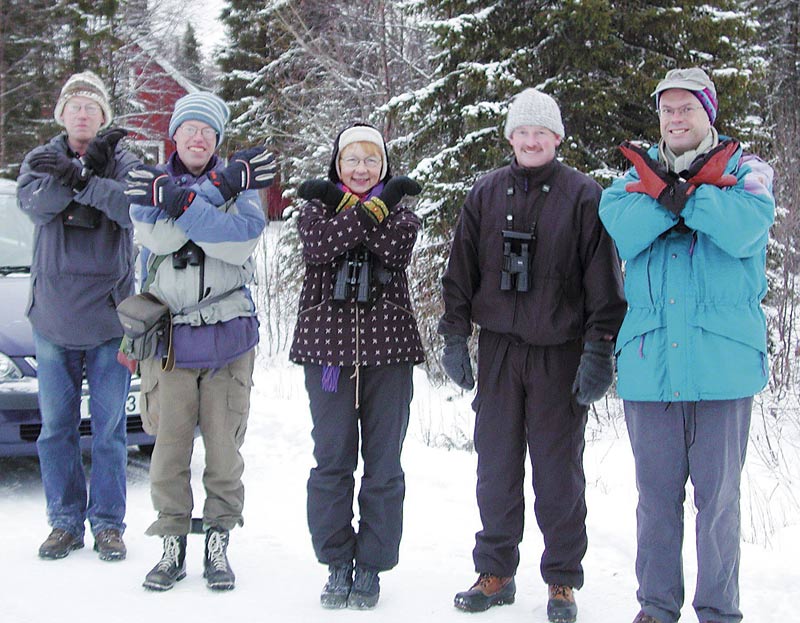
(145, 320)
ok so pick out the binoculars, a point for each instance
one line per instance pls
(189, 254)
(353, 276)
(517, 254)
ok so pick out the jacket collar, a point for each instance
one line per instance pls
(533, 176)
(175, 168)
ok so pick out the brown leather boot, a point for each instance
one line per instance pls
(59, 544)
(561, 606)
(489, 590)
(109, 545)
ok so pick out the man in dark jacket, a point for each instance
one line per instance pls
(533, 267)
(83, 258)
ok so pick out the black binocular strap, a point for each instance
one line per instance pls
(537, 207)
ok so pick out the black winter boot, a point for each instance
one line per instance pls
(172, 566)
(337, 588)
(216, 568)
(366, 589)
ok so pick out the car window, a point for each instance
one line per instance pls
(16, 236)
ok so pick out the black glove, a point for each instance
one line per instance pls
(102, 148)
(254, 167)
(397, 188)
(456, 361)
(675, 195)
(59, 166)
(328, 193)
(595, 372)
(152, 187)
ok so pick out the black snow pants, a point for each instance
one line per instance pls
(382, 419)
(525, 401)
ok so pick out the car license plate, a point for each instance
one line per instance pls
(131, 405)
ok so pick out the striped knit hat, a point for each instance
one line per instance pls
(205, 107)
(85, 84)
(697, 82)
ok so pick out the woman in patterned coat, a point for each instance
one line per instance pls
(358, 341)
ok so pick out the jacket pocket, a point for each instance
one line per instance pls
(238, 399)
(641, 360)
(730, 351)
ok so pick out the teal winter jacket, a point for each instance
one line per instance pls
(694, 329)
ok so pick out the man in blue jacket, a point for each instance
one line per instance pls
(691, 219)
(72, 189)
(200, 221)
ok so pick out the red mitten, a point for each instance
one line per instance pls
(709, 168)
(653, 176)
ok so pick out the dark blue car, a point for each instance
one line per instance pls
(20, 421)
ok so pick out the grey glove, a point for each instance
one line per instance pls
(456, 361)
(595, 372)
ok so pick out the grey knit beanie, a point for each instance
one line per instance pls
(85, 84)
(532, 107)
(204, 107)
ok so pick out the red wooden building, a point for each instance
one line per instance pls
(157, 85)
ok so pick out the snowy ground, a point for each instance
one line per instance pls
(278, 577)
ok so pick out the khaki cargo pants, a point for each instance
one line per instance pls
(173, 404)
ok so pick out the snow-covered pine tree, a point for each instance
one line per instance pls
(189, 59)
(27, 75)
(779, 24)
(42, 44)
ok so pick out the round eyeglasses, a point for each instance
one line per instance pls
(91, 109)
(191, 130)
(371, 162)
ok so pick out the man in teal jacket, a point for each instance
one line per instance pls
(691, 220)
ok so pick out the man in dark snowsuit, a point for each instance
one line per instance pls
(531, 265)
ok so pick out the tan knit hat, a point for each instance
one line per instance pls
(532, 107)
(84, 84)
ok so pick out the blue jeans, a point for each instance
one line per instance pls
(60, 372)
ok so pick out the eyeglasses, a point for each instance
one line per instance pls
(91, 109)
(371, 162)
(191, 130)
(683, 111)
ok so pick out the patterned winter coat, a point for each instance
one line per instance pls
(346, 333)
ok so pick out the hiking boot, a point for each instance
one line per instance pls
(337, 588)
(489, 590)
(645, 618)
(109, 545)
(172, 566)
(561, 606)
(216, 568)
(59, 544)
(365, 591)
